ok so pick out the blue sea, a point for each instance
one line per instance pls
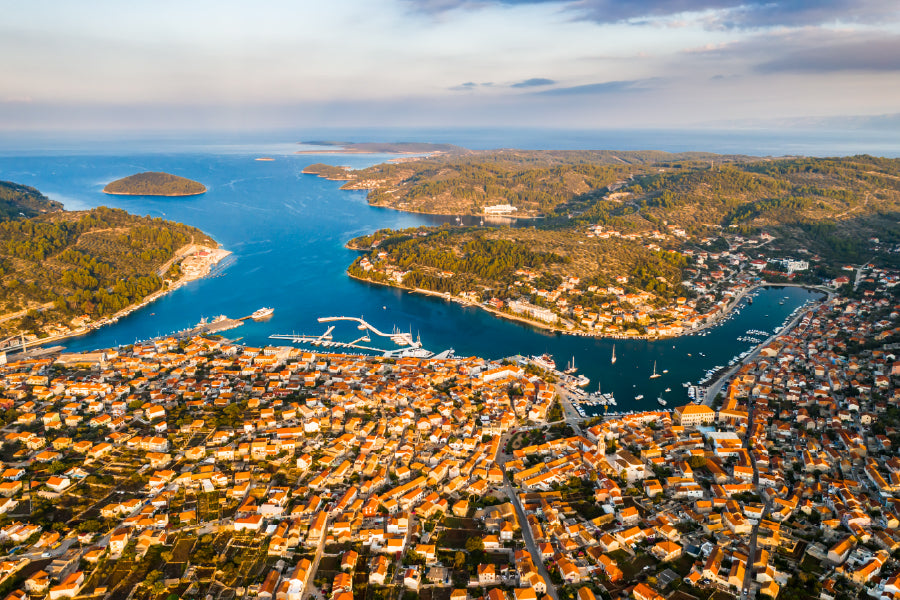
(287, 232)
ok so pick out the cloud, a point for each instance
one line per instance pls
(533, 82)
(810, 50)
(471, 85)
(729, 14)
(871, 55)
(606, 87)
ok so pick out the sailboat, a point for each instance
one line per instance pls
(613, 359)
(655, 374)
(571, 368)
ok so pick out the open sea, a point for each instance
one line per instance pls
(287, 232)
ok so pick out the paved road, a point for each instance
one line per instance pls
(311, 574)
(529, 540)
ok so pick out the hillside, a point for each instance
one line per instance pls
(20, 201)
(662, 231)
(91, 263)
(534, 182)
(154, 183)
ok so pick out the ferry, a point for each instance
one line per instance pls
(262, 313)
(544, 361)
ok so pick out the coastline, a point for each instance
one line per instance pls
(217, 255)
(575, 333)
(715, 387)
(205, 189)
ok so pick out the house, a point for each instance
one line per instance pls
(69, 587)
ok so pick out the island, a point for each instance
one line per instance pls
(153, 183)
(626, 244)
(333, 147)
(65, 272)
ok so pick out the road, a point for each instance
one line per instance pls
(311, 574)
(751, 554)
(529, 540)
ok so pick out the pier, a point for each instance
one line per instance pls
(409, 347)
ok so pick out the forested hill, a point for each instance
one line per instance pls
(832, 211)
(20, 201)
(152, 183)
(92, 263)
(533, 181)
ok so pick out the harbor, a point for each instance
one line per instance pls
(407, 347)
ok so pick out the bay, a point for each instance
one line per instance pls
(287, 233)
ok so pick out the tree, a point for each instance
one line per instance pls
(475, 544)
(459, 560)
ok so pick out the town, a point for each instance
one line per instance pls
(715, 280)
(203, 468)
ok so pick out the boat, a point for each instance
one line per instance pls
(639, 397)
(613, 359)
(544, 361)
(661, 401)
(668, 389)
(655, 374)
(571, 368)
(582, 381)
(262, 313)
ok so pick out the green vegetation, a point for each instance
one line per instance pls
(92, 263)
(831, 209)
(154, 183)
(535, 182)
(20, 201)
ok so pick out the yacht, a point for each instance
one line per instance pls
(655, 374)
(661, 401)
(544, 361)
(262, 313)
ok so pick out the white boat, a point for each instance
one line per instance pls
(655, 374)
(661, 401)
(262, 313)
(571, 368)
(582, 381)
(613, 359)
(544, 361)
(639, 397)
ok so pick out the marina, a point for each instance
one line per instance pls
(242, 202)
(407, 347)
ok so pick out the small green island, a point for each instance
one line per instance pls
(153, 183)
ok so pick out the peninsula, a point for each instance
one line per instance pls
(152, 183)
(64, 272)
(627, 244)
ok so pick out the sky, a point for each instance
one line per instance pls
(202, 65)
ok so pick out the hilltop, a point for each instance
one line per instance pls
(534, 182)
(152, 183)
(655, 246)
(78, 267)
(20, 201)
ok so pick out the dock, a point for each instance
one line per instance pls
(408, 346)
